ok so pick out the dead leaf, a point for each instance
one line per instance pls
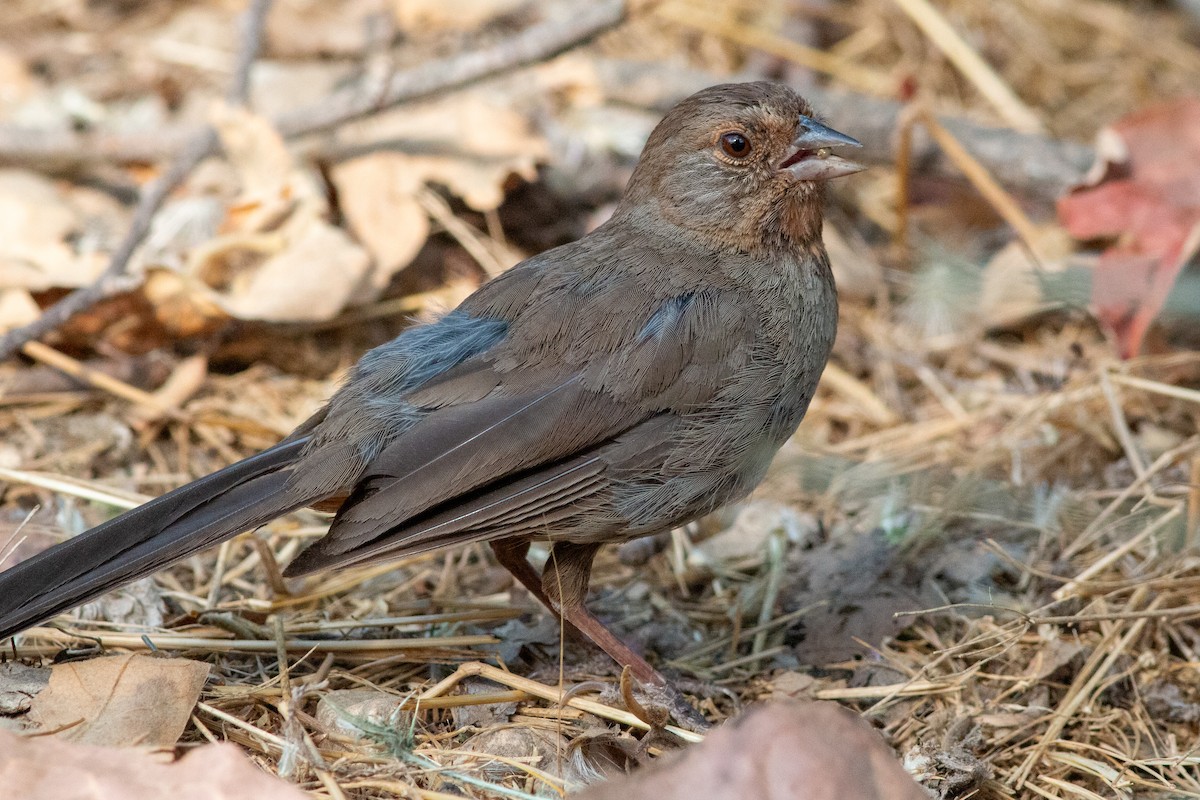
(746, 537)
(852, 587)
(36, 222)
(19, 684)
(269, 254)
(517, 634)
(120, 700)
(17, 308)
(1147, 197)
(378, 195)
(782, 751)
(48, 768)
(792, 686)
(522, 744)
(1054, 653)
(471, 144)
(350, 711)
(314, 278)
(1171, 702)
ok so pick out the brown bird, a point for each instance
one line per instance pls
(614, 387)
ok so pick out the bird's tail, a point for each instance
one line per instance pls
(141, 541)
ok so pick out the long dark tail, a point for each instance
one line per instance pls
(141, 541)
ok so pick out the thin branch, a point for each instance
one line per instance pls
(532, 45)
(251, 25)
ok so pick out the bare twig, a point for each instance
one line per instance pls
(904, 152)
(115, 386)
(536, 43)
(251, 23)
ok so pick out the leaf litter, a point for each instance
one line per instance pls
(982, 540)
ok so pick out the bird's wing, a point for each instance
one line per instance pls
(505, 447)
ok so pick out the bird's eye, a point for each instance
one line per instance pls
(735, 145)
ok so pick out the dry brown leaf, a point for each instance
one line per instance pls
(48, 768)
(17, 307)
(1013, 283)
(277, 258)
(782, 751)
(270, 183)
(19, 684)
(1146, 199)
(35, 223)
(470, 143)
(120, 700)
(314, 278)
(792, 686)
(378, 198)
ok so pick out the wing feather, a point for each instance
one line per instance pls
(505, 448)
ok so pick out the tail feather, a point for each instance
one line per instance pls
(141, 541)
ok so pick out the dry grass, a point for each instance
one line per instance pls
(1066, 483)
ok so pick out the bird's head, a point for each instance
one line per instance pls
(741, 164)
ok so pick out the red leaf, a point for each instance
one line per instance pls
(1149, 200)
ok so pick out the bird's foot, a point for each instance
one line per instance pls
(660, 702)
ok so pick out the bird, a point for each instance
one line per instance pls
(616, 386)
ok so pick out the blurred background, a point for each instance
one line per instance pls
(210, 209)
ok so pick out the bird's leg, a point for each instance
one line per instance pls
(564, 587)
(512, 556)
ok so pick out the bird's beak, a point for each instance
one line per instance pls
(813, 160)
